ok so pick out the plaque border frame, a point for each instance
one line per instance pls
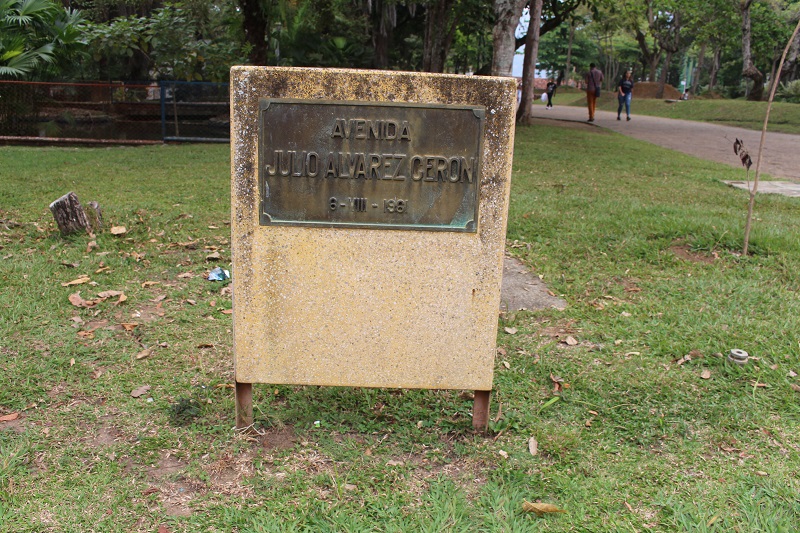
(264, 218)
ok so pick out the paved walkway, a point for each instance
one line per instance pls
(781, 159)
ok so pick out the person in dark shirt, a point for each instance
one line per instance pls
(624, 94)
(551, 91)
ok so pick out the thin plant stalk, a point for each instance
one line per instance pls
(753, 191)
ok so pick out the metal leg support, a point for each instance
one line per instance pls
(244, 405)
(480, 410)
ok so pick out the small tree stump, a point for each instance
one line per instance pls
(95, 216)
(69, 215)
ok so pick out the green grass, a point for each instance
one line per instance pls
(645, 252)
(784, 117)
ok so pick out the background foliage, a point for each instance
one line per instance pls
(675, 41)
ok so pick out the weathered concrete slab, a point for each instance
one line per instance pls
(523, 290)
(786, 188)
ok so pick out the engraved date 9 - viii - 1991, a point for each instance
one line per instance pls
(361, 205)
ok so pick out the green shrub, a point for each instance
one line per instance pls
(790, 92)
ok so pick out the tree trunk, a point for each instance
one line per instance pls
(568, 70)
(712, 76)
(791, 60)
(383, 19)
(698, 69)
(440, 26)
(507, 13)
(749, 69)
(529, 67)
(69, 215)
(662, 79)
(255, 24)
(650, 58)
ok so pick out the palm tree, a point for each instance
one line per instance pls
(35, 33)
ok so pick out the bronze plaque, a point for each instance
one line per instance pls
(369, 165)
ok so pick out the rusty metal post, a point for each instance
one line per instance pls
(480, 410)
(244, 405)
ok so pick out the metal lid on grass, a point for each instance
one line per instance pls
(738, 357)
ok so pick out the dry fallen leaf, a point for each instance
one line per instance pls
(76, 300)
(213, 257)
(394, 463)
(191, 302)
(110, 294)
(144, 353)
(185, 275)
(9, 418)
(503, 454)
(705, 374)
(86, 334)
(570, 340)
(118, 230)
(533, 446)
(541, 508)
(510, 331)
(226, 311)
(506, 364)
(79, 281)
(91, 246)
(628, 506)
(149, 283)
(795, 387)
(792, 374)
(128, 326)
(140, 391)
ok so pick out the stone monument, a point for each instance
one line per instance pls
(369, 215)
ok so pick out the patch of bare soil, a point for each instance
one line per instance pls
(649, 89)
(167, 466)
(278, 438)
(15, 426)
(684, 252)
(177, 496)
(106, 436)
(226, 475)
(148, 313)
(58, 390)
(175, 493)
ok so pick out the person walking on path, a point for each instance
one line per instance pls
(594, 80)
(624, 94)
(551, 91)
